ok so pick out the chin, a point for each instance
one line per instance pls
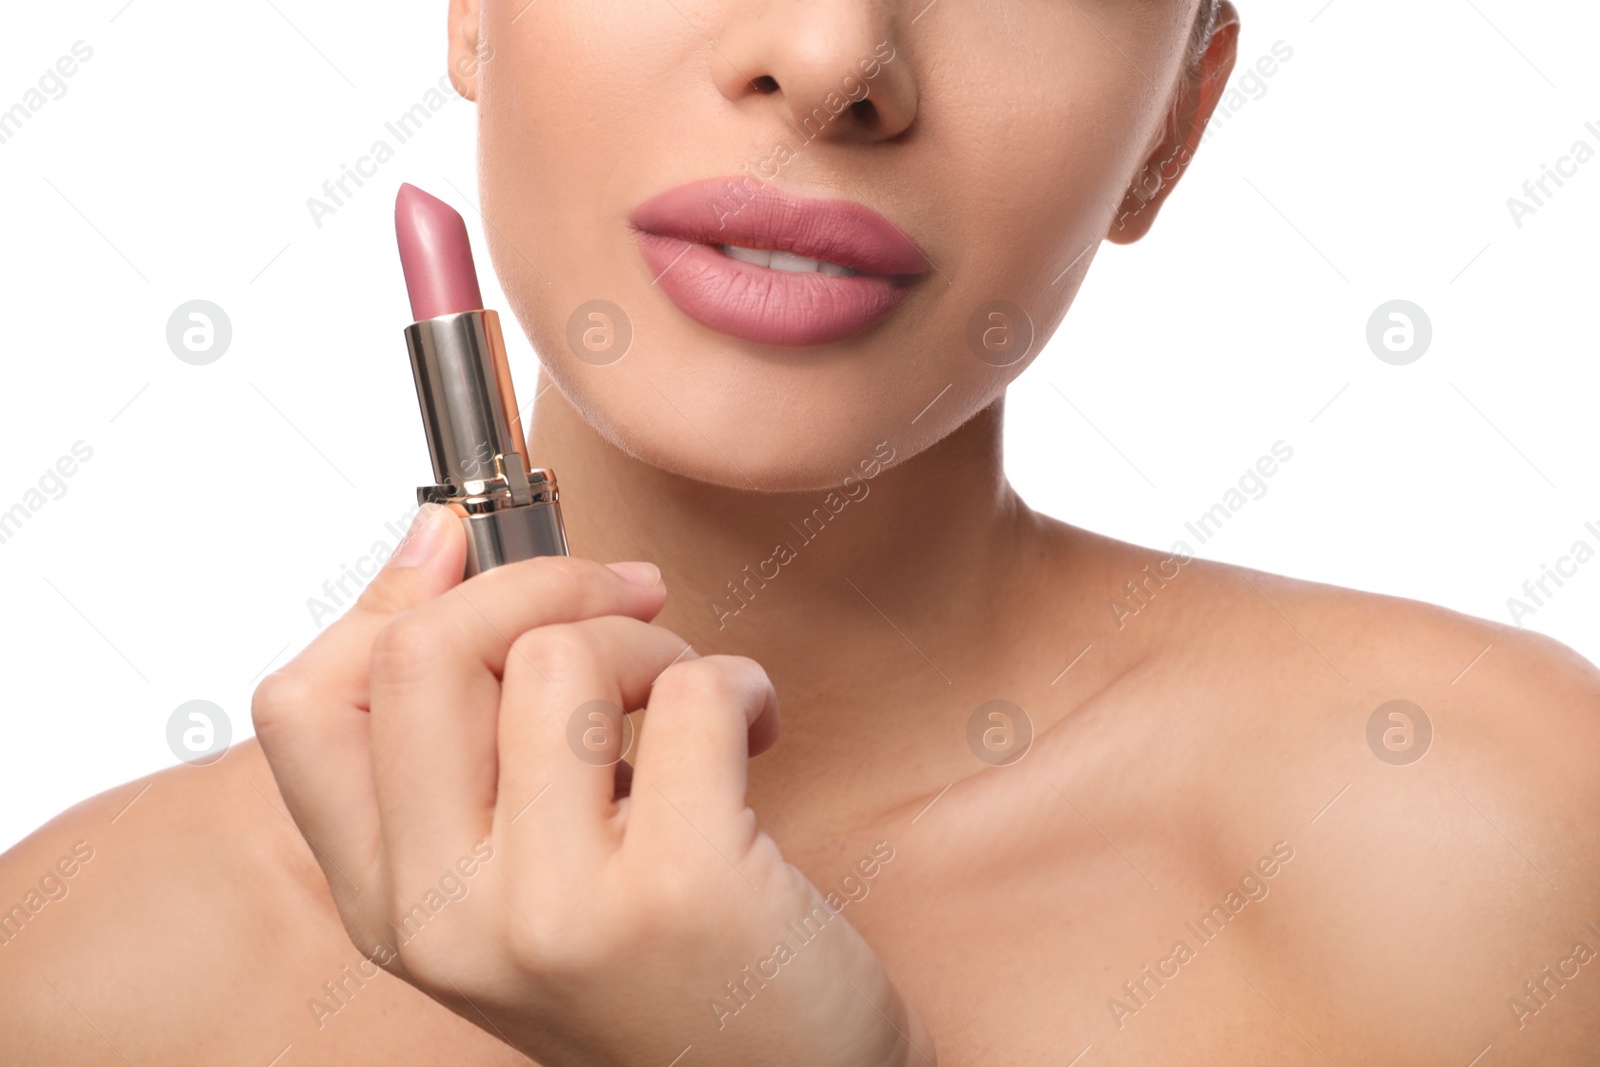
(722, 411)
(743, 442)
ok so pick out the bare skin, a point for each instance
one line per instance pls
(1215, 741)
(1225, 718)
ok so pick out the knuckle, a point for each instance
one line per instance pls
(279, 699)
(720, 678)
(407, 643)
(527, 939)
(426, 960)
(539, 945)
(426, 948)
(558, 653)
(740, 668)
(678, 892)
(558, 945)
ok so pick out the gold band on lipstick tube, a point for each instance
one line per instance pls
(512, 511)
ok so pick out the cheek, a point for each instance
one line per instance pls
(586, 108)
(570, 97)
(1041, 163)
(1031, 174)
(582, 108)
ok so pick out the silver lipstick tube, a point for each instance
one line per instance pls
(512, 510)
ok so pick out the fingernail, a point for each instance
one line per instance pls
(422, 539)
(645, 574)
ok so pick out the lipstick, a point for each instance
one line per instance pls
(511, 510)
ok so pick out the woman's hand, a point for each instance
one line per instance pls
(441, 749)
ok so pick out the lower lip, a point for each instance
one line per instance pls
(762, 305)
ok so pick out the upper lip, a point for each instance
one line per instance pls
(728, 211)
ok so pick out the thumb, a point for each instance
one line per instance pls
(311, 716)
(430, 560)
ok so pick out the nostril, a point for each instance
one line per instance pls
(864, 111)
(765, 84)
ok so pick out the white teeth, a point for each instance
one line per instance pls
(761, 257)
(787, 262)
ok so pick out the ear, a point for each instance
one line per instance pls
(1192, 106)
(467, 52)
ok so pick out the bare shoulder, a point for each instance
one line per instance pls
(1403, 684)
(182, 919)
(1434, 775)
(1299, 675)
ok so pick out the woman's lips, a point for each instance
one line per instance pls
(681, 234)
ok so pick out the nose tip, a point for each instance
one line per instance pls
(828, 68)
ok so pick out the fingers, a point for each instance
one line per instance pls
(484, 615)
(561, 725)
(311, 715)
(436, 695)
(690, 774)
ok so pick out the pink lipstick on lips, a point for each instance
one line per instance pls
(511, 510)
(774, 269)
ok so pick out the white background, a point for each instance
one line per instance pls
(1375, 165)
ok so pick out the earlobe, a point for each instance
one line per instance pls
(467, 49)
(1191, 112)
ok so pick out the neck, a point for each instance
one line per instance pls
(878, 595)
